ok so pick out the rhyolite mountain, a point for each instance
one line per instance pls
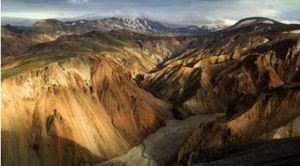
(141, 25)
(250, 71)
(229, 61)
(121, 97)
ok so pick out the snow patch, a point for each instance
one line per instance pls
(67, 24)
(246, 22)
(145, 22)
(265, 40)
(254, 21)
(293, 32)
(117, 26)
(268, 22)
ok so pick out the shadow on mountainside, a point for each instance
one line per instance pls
(271, 152)
(53, 151)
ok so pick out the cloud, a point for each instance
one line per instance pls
(290, 21)
(196, 12)
(78, 1)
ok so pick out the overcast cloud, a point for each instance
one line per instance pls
(196, 12)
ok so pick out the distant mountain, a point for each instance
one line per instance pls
(17, 39)
(255, 24)
(15, 28)
(18, 21)
(137, 25)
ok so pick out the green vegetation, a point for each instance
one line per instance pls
(29, 64)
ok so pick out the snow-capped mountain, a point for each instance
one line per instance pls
(107, 24)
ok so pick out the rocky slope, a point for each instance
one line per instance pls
(16, 41)
(228, 69)
(250, 71)
(136, 25)
(73, 101)
(73, 112)
(264, 116)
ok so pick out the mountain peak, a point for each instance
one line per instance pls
(254, 21)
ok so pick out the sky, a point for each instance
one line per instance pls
(184, 12)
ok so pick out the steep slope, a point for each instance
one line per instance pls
(136, 25)
(250, 71)
(15, 41)
(75, 111)
(228, 69)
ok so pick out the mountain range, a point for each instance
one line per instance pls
(116, 92)
(108, 24)
(20, 38)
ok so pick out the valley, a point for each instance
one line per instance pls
(91, 93)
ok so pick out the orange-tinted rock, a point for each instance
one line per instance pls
(75, 112)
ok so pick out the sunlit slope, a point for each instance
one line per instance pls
(75, 111)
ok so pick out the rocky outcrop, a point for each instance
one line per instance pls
(77, 111)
